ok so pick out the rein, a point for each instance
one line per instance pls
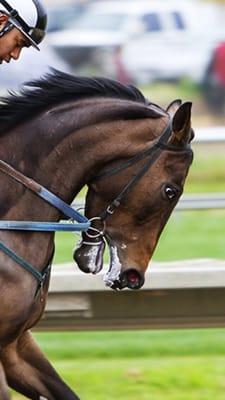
(83, 224)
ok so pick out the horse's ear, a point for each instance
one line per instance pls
(172, 107)
(181, 124)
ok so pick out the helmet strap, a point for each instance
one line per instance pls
(9, 26)
(12, 14)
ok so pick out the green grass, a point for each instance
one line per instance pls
(172, 379)
(196, 234)
(163, 93)
(128, 345)
(176, 365)
(192, 235)
(207, 173)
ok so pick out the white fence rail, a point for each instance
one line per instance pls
(210, 135)
(187, 202)
(176, 294)
(205, 201)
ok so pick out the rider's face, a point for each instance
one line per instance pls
(11, 44)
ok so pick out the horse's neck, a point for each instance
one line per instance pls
(62, 154)
(80, 155)
(63, 162)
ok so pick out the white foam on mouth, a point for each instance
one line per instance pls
(115, 268)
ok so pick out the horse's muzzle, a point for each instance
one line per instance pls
(131, 279)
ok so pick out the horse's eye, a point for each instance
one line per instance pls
(170, 192)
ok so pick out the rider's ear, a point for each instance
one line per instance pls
(182, 124)
(3, 20)
(172, 107)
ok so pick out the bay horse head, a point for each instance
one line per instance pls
(132, 199)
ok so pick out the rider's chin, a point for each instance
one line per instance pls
(7, 60)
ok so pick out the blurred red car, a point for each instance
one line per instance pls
(219, 63)
(214, 80)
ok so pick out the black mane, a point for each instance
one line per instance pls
(56, 87)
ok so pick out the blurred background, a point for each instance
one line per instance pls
(169, 49)
(155, 44)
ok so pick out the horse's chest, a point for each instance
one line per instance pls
(37, 308)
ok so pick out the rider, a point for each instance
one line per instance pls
(22, 24)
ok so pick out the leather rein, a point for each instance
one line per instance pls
(83, 224)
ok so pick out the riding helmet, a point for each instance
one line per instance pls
(29, 16)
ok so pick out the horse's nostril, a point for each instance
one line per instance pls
(132, 279)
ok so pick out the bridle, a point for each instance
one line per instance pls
(151, 154)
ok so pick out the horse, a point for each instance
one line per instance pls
(64, 132)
